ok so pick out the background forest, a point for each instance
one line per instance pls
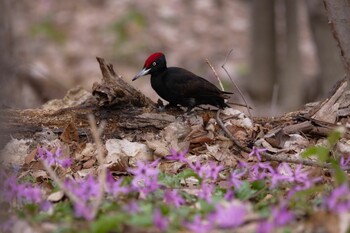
(105, 158)
(283, 55)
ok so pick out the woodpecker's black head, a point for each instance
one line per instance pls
(154, 63)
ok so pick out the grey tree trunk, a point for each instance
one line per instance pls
(263, 51)
(339, 20)
(291, 78)
(6, 50)
(330, 65)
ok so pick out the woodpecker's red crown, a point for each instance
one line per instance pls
(152, 58)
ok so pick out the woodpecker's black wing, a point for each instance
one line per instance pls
(187, 84)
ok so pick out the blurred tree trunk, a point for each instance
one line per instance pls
(291, 78)
(329, 61)
(19, 88)
(7, 71)
(6, 57)
(263, 50)
(339, 19)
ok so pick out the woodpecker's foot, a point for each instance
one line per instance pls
(172, 106)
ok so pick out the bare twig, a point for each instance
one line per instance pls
(100, 158)
(215, 74)
(280, 158)
(267, 156)
(239, 90)
(54, 177)
(229, 134)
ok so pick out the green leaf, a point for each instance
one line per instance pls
(334, 137)
(245, 192)
(141, 219)
(321, 152)
(186, 174)
(340, 177)
(174, 181)
(206, 207)
(63, 211)
(302, 198)
(108, 223)
(258, 184)
(67, 229)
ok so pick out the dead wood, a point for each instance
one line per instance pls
(127, 113)
(327, 110)
(126, 110)
(338, 12)
(113, 90)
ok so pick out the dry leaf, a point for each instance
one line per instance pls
(56, 196)
(31, 156)
(116, 148)
(89, 163)
(40, 175)
(14, 152)
(70, 134)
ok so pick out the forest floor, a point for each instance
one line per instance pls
(111, 160)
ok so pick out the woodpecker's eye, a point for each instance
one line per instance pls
(154, 63)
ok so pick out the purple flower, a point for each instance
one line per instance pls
(242, 165)
(229, 216)
(235, 177)
(210, 171)
(150, 185)
(303, 180)
(83, 210)
(89, 188)
(160, 221)
(265, 226)
(10, 188)
(344, 164)
(40, 154)
(177, 156)
(281, 216)
(260, 171)
(144, 169)
(8, 224)
(256, 152)
(23, 193)
(172, 197)
(299, 175)
(197, 167)
(51, 158)
(84, 189)
(132, 207)
(214, 170)
(339, 200)
(30, 194)
(114, 187)
(65, 163)
(229, 195)
(145, 185)
(206, 192)
(45, 205)
(146, 177)
(283, 173)
(198, 225)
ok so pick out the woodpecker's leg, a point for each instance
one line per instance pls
(189, 108)
(172, 106)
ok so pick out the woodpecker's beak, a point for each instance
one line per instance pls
(143, 72)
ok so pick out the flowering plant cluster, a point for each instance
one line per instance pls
(217, 198)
